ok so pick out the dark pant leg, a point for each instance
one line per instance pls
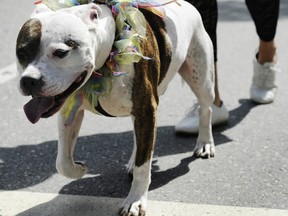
(209, 13)
(265, 15)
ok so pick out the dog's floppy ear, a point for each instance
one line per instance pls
(92, 14)
(89, 13)
(100, 22)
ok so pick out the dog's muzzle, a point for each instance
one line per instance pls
(31, 85)
(44, 107)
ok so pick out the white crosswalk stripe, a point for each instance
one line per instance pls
(35, 204)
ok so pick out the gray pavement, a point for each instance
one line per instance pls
(248, 176)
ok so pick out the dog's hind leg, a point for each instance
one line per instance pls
(67, 139)
(198, 71)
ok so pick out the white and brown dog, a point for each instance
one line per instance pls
(57, 52)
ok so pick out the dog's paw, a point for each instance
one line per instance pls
(204, 150)
(74, 170)
(81, 169)
(137, 208)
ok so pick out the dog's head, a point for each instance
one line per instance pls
(57, 52)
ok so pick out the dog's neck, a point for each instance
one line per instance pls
(126, 50)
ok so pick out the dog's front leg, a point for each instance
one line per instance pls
(136, 202)
(67, 139)
(144, 132)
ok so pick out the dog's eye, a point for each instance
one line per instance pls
(60, 53)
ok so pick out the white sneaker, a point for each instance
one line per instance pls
(263, 89)
(190, 123)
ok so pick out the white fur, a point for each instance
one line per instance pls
(136, 201)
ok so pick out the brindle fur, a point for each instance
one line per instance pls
(28, 41)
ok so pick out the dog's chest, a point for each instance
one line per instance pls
(118, 101)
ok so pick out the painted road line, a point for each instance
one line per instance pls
(34, 204)
(7, 73)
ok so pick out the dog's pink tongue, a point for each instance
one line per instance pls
(36, 107)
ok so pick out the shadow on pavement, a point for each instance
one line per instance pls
(105, 155)
(236, 116)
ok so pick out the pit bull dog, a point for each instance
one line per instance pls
(61, 53)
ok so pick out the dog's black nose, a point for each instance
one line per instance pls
(31, 86)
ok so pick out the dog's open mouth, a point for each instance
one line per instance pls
(44, 107)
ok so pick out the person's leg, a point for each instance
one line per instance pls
(217, 100)
(265, 16)
(208, 10)
(267, 52)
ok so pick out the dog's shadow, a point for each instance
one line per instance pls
(105, 155)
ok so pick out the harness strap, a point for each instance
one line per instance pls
(100, 109)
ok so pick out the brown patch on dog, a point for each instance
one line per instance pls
(28, 41)
(145, 97)
(158, 26)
